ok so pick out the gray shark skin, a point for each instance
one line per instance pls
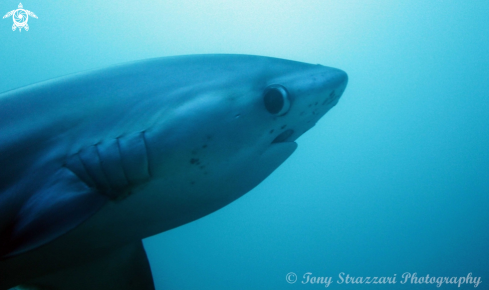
(91, 163)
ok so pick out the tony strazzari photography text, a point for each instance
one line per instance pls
(405, 278)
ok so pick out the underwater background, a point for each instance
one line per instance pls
(394, 179)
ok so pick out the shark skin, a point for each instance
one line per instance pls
(94, 162)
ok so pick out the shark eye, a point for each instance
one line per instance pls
(277, 101)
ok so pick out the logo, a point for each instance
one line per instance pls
(20, 17)
(291, 278)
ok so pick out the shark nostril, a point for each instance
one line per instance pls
(283, 136)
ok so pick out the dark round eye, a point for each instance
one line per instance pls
(277, 100)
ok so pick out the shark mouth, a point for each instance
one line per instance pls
(283, 136)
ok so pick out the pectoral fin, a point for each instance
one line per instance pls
(91, 177)
(61, 204)
(125, 268)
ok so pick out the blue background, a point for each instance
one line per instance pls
(394, 179)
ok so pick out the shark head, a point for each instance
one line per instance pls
(247, 105)
(234, 122)
(286, 99)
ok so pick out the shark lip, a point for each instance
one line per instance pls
(283, 136)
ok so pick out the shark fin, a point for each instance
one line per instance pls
(61, 204)
(125, 268)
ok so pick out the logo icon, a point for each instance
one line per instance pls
(291, 278)
(20, 17)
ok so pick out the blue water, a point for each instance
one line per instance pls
(394, 179)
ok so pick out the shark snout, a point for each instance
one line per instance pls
(339, 78)
(333, 79)
(334, 84)
(323, 95)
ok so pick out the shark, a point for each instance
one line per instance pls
(93, 162)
